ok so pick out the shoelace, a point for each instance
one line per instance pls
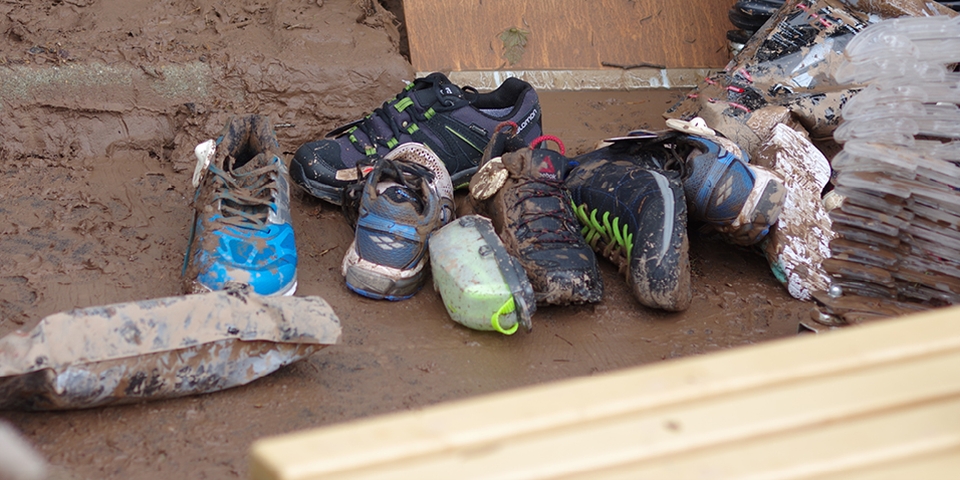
(404, 173)
(389, 113)
(614, 240)
(543, 188)
(245, 206)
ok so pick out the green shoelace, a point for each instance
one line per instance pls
(611, 239)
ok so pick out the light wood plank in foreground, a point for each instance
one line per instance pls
(877, 398)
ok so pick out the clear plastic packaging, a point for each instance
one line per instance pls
(900, 165)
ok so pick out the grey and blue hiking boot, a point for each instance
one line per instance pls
(739, 200)
(242, 230)
(454, 122)
(401, 204)
(521, 190)
(633, 212)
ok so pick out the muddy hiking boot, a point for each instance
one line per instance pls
(454, 122)
(242, 231)
(521, 190)
(740, 201)
(404, 198)
(633, 212)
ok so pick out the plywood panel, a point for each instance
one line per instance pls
(881, 397)
(458, 35)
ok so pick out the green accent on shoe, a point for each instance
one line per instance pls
(403, 103)
(412, 128)
(617, 237)
(580, 211)
(608, 231)
(596, 225)
(461, 137)
(429, 113)
(393, 142)
(370, 151)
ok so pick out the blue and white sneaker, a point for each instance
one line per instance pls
(406, 197)
(739, 200)
(242, 230)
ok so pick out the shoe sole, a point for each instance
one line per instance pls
(287, 291)
(319, 190)
(660, 276)
(379, 282)
(334, 195)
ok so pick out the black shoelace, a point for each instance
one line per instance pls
(245, 203)
(404, 173)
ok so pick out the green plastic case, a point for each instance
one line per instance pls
(482, 286)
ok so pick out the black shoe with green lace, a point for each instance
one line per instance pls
(633, 212)
(454, 122)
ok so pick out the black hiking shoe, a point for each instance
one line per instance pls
(634, 213)
(521, 190)
(455, 123)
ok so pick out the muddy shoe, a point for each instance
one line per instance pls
(454, 122)
(411, 152)
(739, 200)
(401, 206)
(242, 230)
(633, 212)
(531, 213)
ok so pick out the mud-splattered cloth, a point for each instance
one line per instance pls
(161, 348)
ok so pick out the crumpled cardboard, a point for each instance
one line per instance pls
(799, 243)
(161, 348)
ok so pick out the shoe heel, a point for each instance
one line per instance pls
(373, 285)
(379, 282)
(760, 211)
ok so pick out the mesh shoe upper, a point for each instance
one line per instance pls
(243, 231)
(739, 200)
(633, 212)
(454, 122)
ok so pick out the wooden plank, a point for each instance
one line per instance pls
(841, 402)
(839, 448)
(458, 35)
(609, 79)
(923, 466)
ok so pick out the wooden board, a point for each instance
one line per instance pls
(460, 35)
(876, 401)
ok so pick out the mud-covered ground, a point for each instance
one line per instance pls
(102, 103)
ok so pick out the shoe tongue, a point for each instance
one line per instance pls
(398, 194)
(252, 164)
(445, 93)
(536, 164)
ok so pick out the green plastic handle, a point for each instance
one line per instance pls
(508, 307)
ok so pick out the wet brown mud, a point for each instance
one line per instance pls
(90, 226)
(117, 231)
